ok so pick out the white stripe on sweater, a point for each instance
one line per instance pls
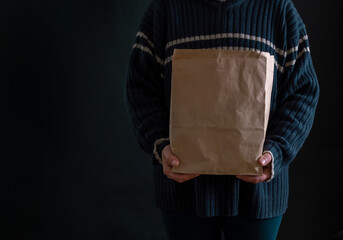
(141, 34)
(143, 48)
(221, 36)
(235, 35)
(147, 50)
(279, 67)
(290, 63)
(294, 49)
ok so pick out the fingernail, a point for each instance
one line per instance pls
(263, 161)
(174, 162)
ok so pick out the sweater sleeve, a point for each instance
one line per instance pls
(144, 88)
(297, 98)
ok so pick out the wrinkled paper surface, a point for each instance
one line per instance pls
(219, 111)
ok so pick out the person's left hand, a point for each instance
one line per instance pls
(265, 162)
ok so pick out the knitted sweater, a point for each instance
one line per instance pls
(272, 26)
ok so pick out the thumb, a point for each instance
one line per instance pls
(174, 161)
(265, 159)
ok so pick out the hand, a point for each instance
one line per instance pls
(265, 162)
(169, 160)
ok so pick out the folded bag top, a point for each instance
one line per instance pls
(220, 101)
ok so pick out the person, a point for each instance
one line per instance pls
(201, 206)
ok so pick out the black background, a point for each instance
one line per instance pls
(70, 167)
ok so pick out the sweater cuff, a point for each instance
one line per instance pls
(272, 148)
(158, 147)
(272, 169)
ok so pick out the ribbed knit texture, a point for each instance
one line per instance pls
(272, 26)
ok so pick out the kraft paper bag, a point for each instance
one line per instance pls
(220, 101)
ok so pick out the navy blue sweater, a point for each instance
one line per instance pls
(272, 26)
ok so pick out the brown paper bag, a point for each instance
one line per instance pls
(220, 102)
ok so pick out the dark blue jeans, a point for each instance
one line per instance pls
(187, 226)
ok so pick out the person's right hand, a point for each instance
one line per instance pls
(169, 160)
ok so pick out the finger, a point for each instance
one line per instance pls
(180, 178)
(249, 179)
(171, 159)
(265, 159)
(167, 169)
(183, 176)
(267, 172)
(252, 179)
